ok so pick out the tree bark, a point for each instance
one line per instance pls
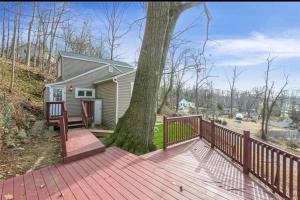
(134, 131)
(28, 53)
(14, 53)
(7, 40)
(3, 31)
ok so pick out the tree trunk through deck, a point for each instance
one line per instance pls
(134, 131)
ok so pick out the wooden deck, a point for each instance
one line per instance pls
(82, 143)
(188, 171)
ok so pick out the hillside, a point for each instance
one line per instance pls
(24, 138)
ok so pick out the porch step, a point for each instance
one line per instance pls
(75, 125)
(82, 143)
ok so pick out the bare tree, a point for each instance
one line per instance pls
(3, 29)
(18, 30)
(44, 19)
(8, 26)
(231, 83)
(179, 82)
(16, 21)
(134, 131)
(113, 21)
(175, 59)
(68, 34)
(28, 52)
(56, 19)
(270, 99)
(202, 71)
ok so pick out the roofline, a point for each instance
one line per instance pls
(94, 61)
(105, 80)
(80, 75)
(114, 77)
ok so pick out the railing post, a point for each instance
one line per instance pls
(165, 132)
(62, 135)
(246, 153)
(212, 132)
(200, 127)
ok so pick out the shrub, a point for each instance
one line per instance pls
(224, 122)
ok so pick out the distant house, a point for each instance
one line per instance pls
(22, 52)
(183, 103)
(108, 83)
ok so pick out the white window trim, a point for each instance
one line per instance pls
(84, 89)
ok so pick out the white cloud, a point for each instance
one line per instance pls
(254, 49)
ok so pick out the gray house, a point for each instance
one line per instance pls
(108, 83)
(22, 52)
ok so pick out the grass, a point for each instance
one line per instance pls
(158, 133)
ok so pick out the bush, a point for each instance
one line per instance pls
(224, 122)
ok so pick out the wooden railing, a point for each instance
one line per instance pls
(54, 110)
(276, 168)
(63, 126)
(178, 129)
(87, 112)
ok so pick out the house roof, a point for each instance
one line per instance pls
(93, 59)
(108, 78)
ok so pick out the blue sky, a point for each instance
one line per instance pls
(242, 34)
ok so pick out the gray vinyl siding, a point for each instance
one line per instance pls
(73, 67)
(73, 104)
(107, 92)
(124, 96)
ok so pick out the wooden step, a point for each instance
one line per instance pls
(75, 125)
(101, 132)
(82, 143)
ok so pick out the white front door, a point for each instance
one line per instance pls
(57, 93)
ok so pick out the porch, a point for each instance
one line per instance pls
(187, 171)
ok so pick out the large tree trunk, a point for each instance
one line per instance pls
(134, 131)
(166, 93)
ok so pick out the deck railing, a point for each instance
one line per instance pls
(87, 112)
(276, 168)
(54, 110)
(63, 127)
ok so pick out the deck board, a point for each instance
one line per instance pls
(82, 143)
(202, 172)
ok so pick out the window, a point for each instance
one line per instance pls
(84, 93)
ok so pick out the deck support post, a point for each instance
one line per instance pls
(165, 132)
(212, 132)
(246, 153)
(63, 135)
(200, 127)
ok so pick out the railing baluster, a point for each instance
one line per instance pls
(291, 180)
(284, 174)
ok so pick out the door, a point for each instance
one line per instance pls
(98, 112)
(57, 94)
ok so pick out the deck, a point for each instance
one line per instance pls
(82, 143)
(187, 171)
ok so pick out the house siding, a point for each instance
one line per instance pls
(107, 92)
(73, 104)
(72, 67)
(124, 90)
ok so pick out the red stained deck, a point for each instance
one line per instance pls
(82, 143)
(188, 171)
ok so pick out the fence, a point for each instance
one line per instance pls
(276, 168)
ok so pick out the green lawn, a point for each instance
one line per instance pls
(158, 133)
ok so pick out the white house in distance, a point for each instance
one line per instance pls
(183, 103)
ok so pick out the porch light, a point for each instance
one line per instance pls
(71, 88)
